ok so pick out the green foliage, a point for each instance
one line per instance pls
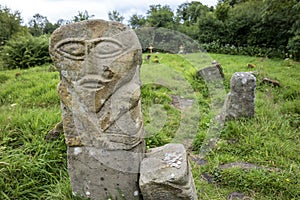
(217, 47)
(157, 95)
(252, 27)
(188, 13)
(242, 23)
(3, 78)
(39, 25)
(10, 24)
(269, 140)
(32, 168)
(222, 11)
(294, 47)
(209, 28)
(82, 16)
(262, 181)
(25, 51)
(115, 16)
(160, 16)
(137, 21)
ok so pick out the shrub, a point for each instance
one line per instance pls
(294, 47)
(216, 47)
(25, 51)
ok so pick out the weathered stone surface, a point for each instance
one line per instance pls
(166, 174)
(241, 99)
(99, 65)
(212, 73)
(102, 174)
(237, 195)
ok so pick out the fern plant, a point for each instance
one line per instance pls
(25, 51)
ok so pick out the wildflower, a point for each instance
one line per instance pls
(287, 180)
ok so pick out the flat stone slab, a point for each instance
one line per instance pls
(181, 103)
(237, 195)
(211, 73)
(248, 166)
(165, 174)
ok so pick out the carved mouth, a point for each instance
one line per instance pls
(92, 83)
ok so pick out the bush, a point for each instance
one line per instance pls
(25, 51)
(216, 47)
(294, 47)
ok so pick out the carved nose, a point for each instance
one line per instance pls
(93, 65)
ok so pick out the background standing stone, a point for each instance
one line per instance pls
(240, 101)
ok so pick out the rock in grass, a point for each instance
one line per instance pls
(166, 174)
(271, 82)
(237, 195)
(240, 102)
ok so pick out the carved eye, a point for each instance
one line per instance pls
(71, 49)
(108, 48)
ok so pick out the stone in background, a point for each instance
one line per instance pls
(240, 102)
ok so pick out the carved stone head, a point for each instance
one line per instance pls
(95, 58)
(99, 64)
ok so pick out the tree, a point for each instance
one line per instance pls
(10, 24)
(222, 11)
(232, 3)
(279, 18)
(82, 16)
(38, 24)
(115, 16)
(210, 29)
(294, 41)
(160, 16)
(137, 21)
(243, 24)
(188, 13)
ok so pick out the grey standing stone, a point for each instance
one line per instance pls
(166, 174)
(240, 102)
(99, 64)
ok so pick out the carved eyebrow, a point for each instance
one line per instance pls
(101, 39)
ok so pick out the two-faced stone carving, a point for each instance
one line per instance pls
(99, 65)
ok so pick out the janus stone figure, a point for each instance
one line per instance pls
(99, 65)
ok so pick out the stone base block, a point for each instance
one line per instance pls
(100, 174)
(166, 174)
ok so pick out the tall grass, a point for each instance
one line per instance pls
(32, 168)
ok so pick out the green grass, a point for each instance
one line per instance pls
(31, 168)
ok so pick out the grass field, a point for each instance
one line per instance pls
(32, 168)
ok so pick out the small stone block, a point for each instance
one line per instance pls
(166, 174)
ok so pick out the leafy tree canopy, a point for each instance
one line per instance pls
(82, 16)
(115, 16)
(10, 24)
